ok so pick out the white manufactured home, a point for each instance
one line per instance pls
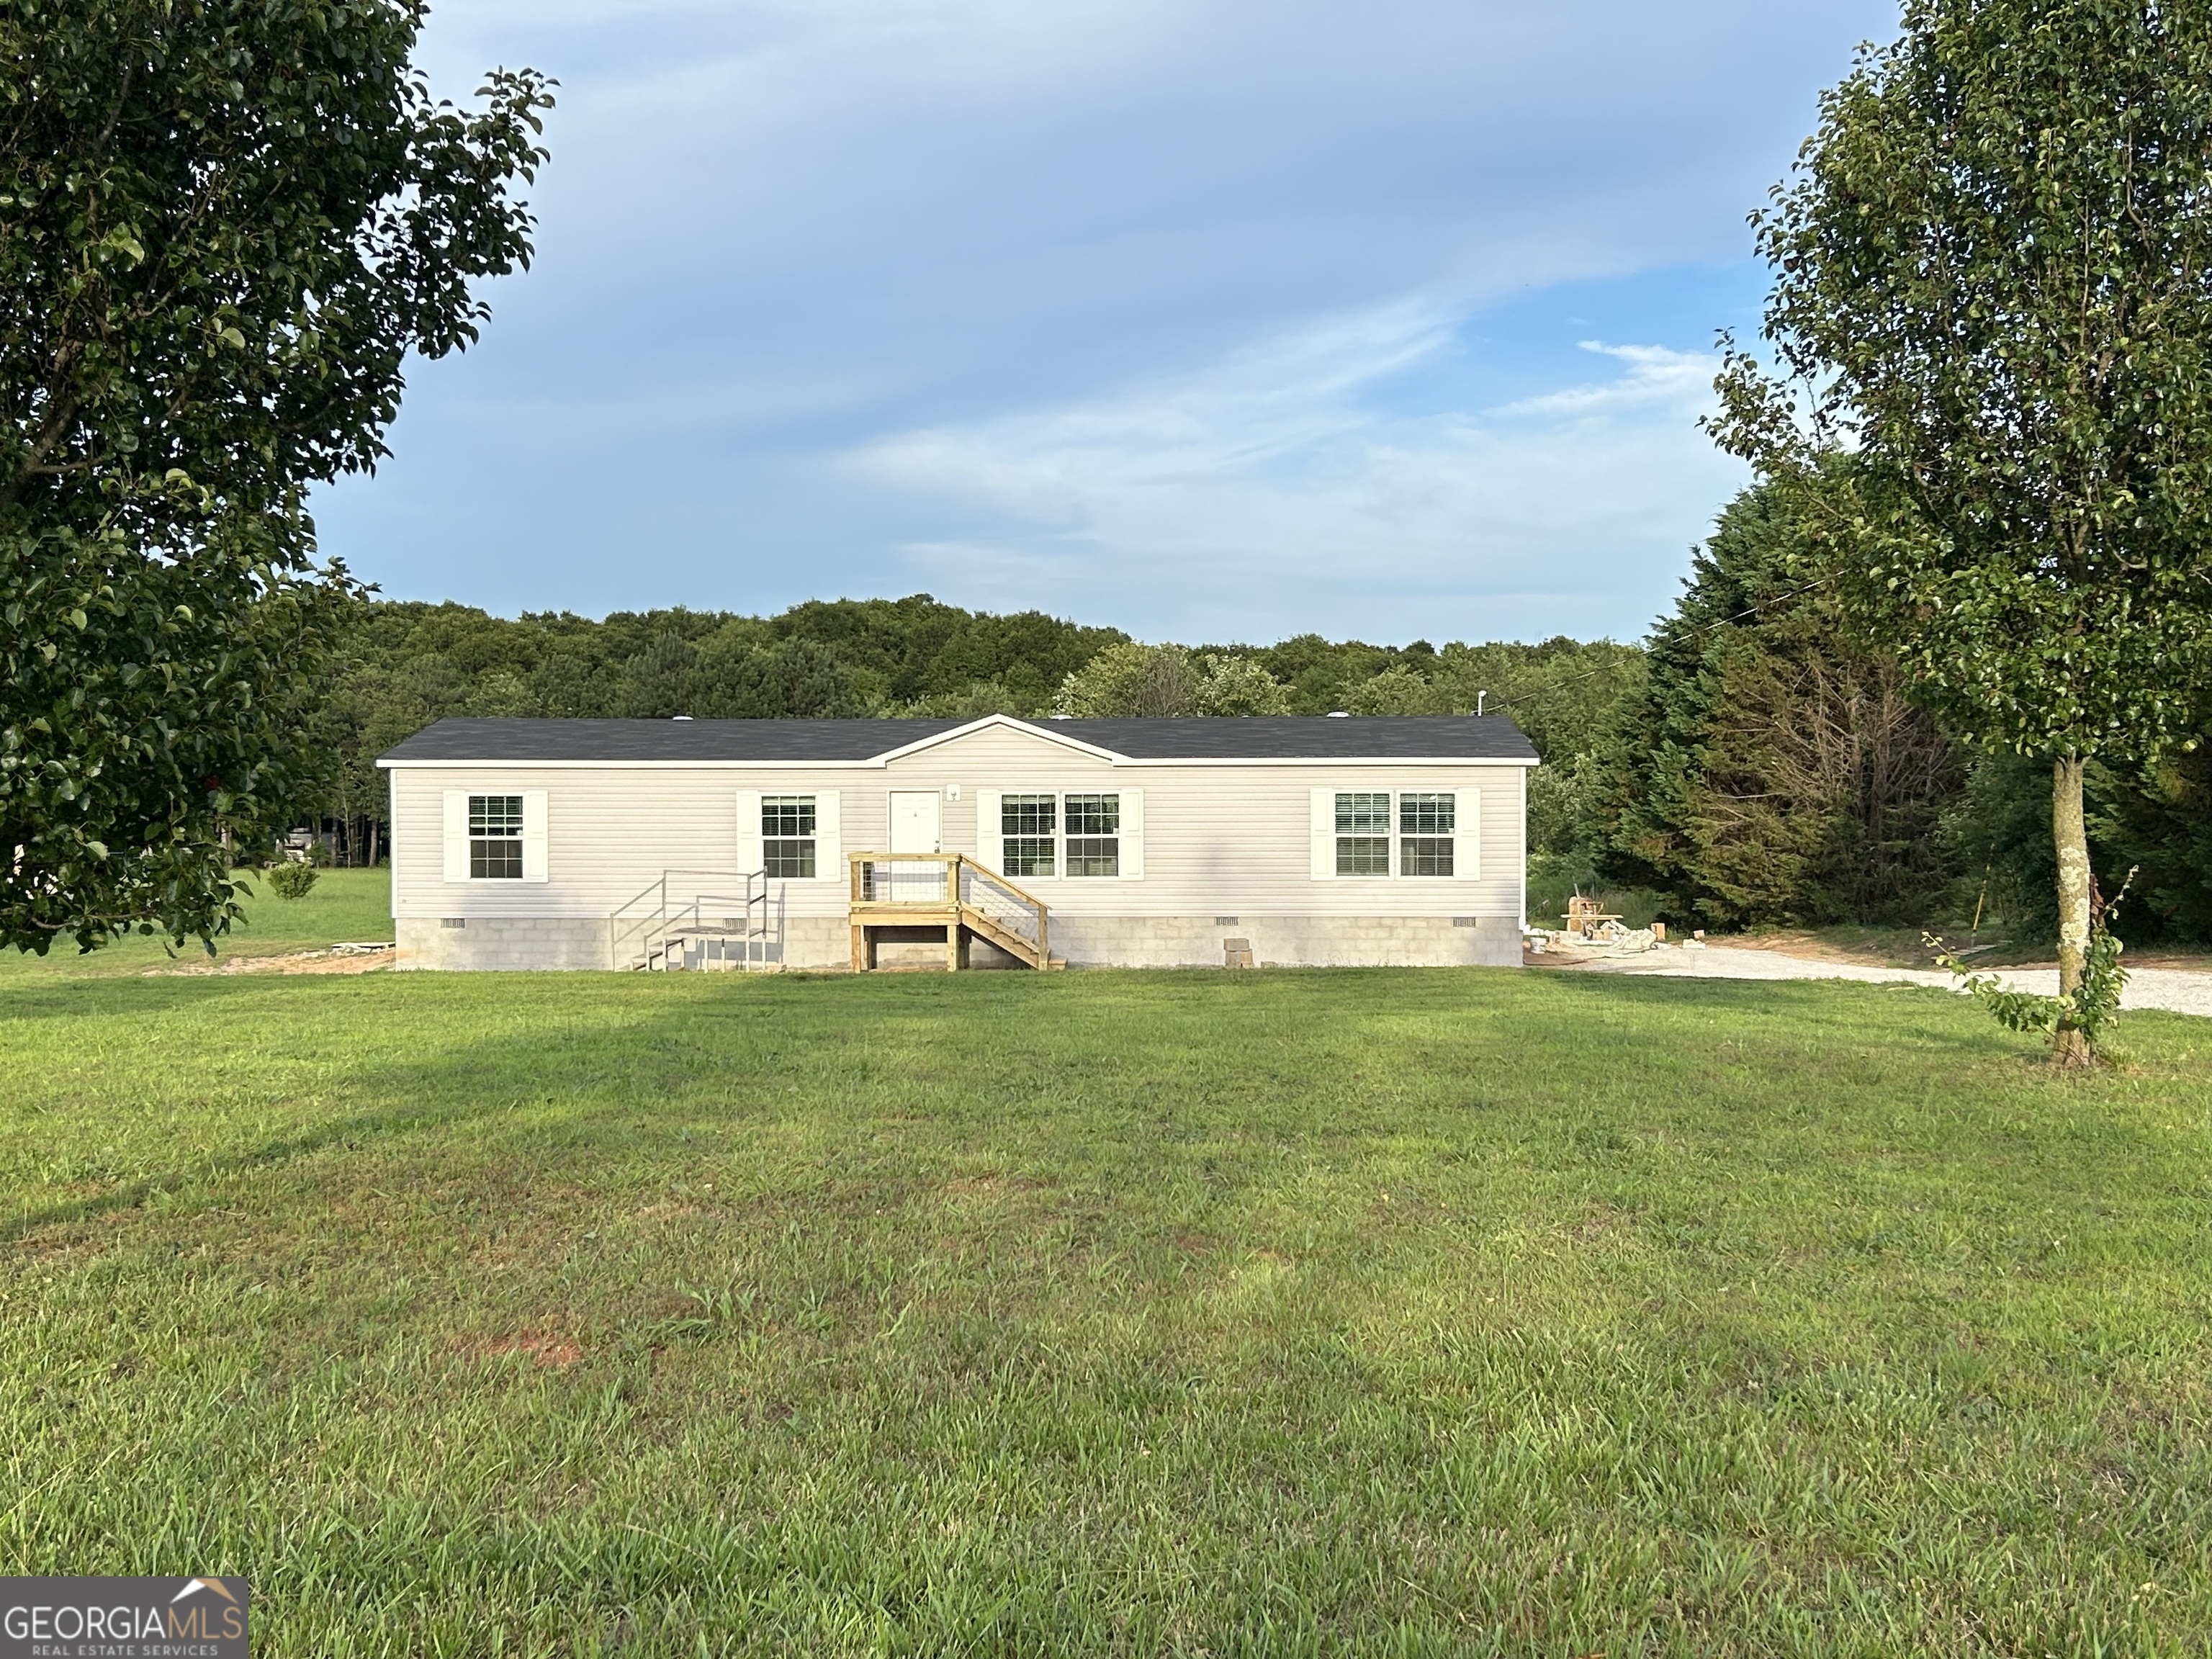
(658, 844)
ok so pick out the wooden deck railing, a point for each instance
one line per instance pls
(954, 890)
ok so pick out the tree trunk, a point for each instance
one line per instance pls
(2070, 1044)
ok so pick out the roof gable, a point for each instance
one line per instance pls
(1032, 729)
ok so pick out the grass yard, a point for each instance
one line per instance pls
(345, 905)
(1275, 1313)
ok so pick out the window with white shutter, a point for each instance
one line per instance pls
(534, 835)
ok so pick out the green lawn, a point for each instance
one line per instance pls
(1275, 1313)
(343, 906)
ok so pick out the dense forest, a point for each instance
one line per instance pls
(1751, 763)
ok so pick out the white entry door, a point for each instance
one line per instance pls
(913, 821)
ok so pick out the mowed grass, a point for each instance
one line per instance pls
(1273, 1313)
(352, 905)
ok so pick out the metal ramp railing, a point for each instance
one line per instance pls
(660, 931)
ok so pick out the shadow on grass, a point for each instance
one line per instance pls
(1159, 1055)
(1099, 1058)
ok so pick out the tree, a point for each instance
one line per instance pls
(1771, 769)
(1994, 281)
(223, 229)
(1132, 682)
(1396, 690)
(1236, 685)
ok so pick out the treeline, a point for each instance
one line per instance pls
(1770, 770)
(1753, 763)
(404, 665)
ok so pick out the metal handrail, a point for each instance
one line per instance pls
(650, 936)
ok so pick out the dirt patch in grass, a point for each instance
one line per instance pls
(298, 962)
(551, 1353)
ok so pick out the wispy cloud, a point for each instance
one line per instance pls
(1658, 378)
(1159, 309)
(1239, 494)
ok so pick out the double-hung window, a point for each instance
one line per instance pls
(1363, 835)
(1030, 826)
(495, 838)
(1425, 835)
(787, 837)
(1094, 834)
(1387, 834)
(1074, 835)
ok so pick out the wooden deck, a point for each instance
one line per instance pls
(950, 894)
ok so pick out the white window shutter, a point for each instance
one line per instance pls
(829, 837)
(1133, 835)
(456, 835)
(1324, 835)
(533, 834)
(750, 860)
(1467, 837)
(990, 841)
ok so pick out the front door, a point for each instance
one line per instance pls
(913, 821)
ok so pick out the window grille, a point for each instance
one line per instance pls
(1363, 835)
(495, 837)
(787, 837)
(1094, 834)
(1028, 825)
(1424, 830)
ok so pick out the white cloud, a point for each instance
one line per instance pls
(1104, 304)
(1657, 378)
(1278, 484)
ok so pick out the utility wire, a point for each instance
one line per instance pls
(1695, 632)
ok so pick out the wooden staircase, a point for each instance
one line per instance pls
(949, 894)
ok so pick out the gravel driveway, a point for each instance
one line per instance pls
(2176, 990)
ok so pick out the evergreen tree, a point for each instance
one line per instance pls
(1772, 770)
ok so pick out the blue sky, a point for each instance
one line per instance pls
(1212, 319)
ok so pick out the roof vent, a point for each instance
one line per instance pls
(1340, 714)
(679, 717)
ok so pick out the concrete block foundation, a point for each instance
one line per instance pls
(513, 943)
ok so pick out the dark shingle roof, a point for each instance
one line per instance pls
(1492, 738)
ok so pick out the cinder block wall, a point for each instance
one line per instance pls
(510, 943)
(528, 943)
(1289, 941)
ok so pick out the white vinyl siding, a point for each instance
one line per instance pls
(1223, 841)
(456, 835)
